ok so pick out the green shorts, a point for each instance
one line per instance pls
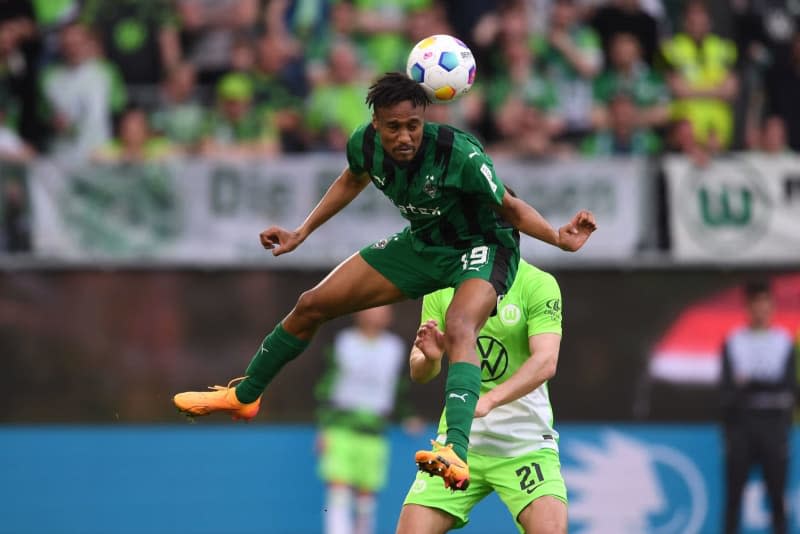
(518, 481)
(346, 452)
(418, 269)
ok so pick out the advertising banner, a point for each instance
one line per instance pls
(211, 212)
(621, 479)
(744, 208)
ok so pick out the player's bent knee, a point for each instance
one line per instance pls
(459, 330)
(309, 310)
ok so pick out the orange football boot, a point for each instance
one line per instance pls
(219, 399)
(443, 462)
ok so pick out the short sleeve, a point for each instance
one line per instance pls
(434, 307)
(544, 306)
(479, 178)
(355, 151)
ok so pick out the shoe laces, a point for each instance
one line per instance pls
(231, 384)
(439, 446)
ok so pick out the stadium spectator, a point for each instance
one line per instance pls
(19, 52)
(625, 135)
(12, 146)
(336, 108)
(522, 103)
(701, 77)
(764, 30)
(783, 86)
(179, 114)
(758, 387)
(357, 400)
(379, 30)
(139, 36)
(135, 142)
(300, 20)
(774, 139)
(628, 73)
(236, 128)
(680, 139)
(770, 138)
(81, 92)
(208, 32)
(340, 26)
(626, 16)
(10, 79)
(425, 20)
(279, 87)
(50, 18)
(514, 404)
(243, 54)
(15, 235)
(571, 58)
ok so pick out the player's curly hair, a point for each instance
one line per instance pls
(393, 88)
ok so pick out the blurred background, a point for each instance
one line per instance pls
(144, 144)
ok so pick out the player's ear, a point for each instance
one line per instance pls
(374, 120)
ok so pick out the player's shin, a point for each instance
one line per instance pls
(461, 395)
(278, 348)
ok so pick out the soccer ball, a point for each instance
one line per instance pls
(443, 65)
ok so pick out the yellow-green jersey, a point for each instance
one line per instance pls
(532, 306)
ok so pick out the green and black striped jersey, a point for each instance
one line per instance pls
(447, 192)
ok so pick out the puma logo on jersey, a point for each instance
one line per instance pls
(381, 181)
(474, 153)
(463, 396)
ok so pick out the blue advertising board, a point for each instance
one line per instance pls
(207, 478)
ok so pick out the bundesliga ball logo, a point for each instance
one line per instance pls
(443, 65)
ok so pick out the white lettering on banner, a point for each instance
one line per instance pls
(744, 208)
(202, 211)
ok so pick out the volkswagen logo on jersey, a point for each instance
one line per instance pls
(494, 358)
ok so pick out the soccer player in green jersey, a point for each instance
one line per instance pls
(513, 446)
(462, 233)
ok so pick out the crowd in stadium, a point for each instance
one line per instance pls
(137, 80)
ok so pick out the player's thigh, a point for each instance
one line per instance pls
(418, 519)
(429, 493)
(545, 515)
(352, 286)
(523, 480)
(471, 305)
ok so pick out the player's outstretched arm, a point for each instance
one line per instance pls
(425, 360)
(527, 220)
(341, 192)
(537, 369)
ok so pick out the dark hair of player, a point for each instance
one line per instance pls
(393, 88)
(756, 288)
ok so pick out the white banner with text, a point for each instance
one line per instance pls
(211, 212)
(744, 208)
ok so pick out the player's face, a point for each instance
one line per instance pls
(400, 128)
(760, 309)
